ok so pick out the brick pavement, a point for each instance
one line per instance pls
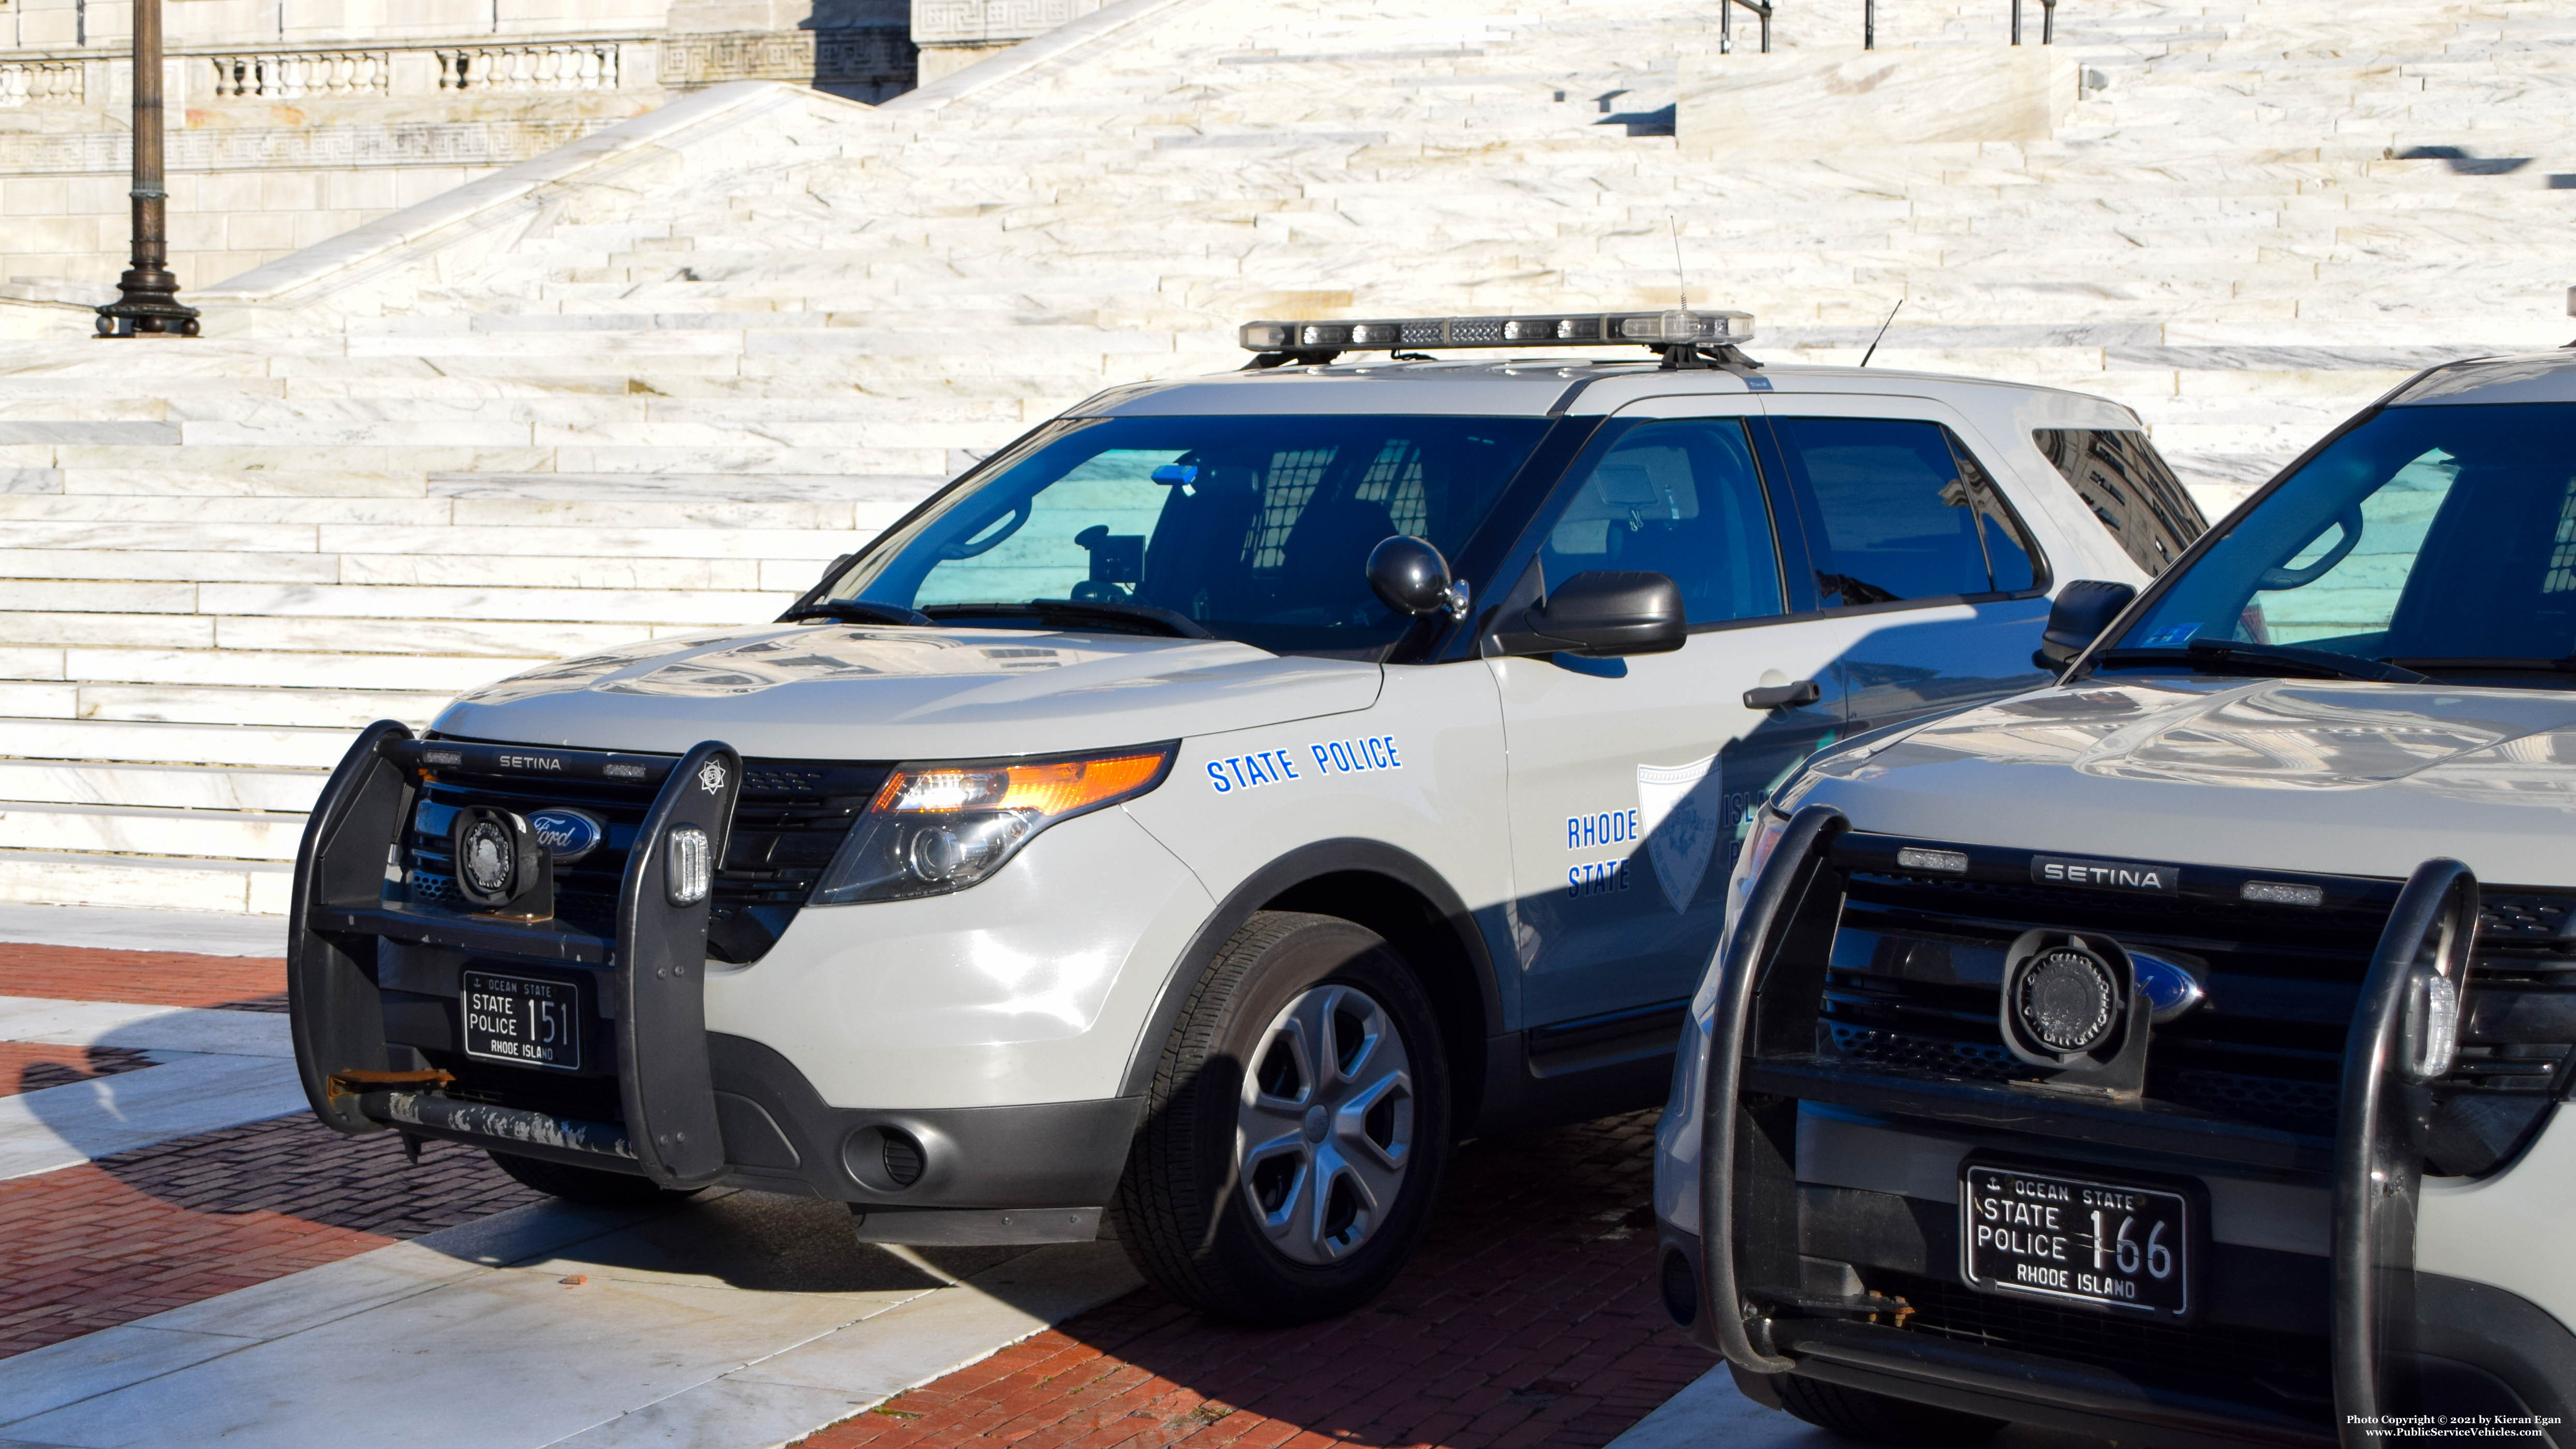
(146, 978)
(1529, 1321)
(85, 1248)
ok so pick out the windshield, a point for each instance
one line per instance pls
(2437, 539)
(1256, 529)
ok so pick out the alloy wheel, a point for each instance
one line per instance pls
(1324, 1133)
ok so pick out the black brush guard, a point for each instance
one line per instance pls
(655, 963)
(1762, 1063)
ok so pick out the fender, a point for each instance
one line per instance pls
(1305, 863)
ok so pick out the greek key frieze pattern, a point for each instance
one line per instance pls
(811, 57)
(297, 148)
(976, 21)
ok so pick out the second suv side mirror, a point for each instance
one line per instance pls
(2081, 611)
(1600, 614)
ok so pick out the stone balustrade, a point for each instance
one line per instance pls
(574, 66)
(296, 75)
(41, 83)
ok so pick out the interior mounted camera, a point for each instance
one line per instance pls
(2071, 1003)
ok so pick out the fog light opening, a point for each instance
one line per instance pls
(885, 1158)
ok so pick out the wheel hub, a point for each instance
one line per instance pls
(1324, 1132)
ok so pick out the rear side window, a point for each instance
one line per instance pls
(2122, 478)
(1901, 510)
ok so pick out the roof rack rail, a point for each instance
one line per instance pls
(1685, 338)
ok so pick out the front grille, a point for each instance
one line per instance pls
(2288, 1372)
(790, 819)
(1912, 989)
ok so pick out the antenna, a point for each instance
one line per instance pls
(1681, 284)
(1882, 332)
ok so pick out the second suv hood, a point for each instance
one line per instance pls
(2360, 779)
(845, 692)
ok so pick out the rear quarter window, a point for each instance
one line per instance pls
(1901, 511)
(2122, 478)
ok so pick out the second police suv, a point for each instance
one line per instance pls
(1193, 820)
(2181, 1048)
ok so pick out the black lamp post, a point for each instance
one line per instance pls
(148, 303)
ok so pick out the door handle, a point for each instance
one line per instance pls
(1784, 696)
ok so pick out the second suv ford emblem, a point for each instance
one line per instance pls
(570, 834)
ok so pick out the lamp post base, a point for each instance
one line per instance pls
(149, 306)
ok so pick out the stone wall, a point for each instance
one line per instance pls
(954, 34)
(295, 120)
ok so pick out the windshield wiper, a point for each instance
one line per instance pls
(1059, 613)
(2311, 661)
(854, 611)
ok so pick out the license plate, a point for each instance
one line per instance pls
(524, 1020)
(2068, 1238)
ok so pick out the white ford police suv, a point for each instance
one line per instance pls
(1194, 819)
(2178, 1052)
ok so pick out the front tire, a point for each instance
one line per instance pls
(589, 1186)
(1296, 1129)
(1880, 1419)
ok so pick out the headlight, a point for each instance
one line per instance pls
(943, 827)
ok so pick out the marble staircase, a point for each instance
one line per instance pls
(650, 384)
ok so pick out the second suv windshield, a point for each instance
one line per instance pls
(1254, 528)
(2431, 539)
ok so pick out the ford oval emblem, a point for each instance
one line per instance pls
(570, 834)
(2168, 988)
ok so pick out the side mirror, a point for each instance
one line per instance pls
(2082, 610)
(1601, 614)
(1414, 579)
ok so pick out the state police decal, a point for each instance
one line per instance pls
(1683, 810)
(1361, 756)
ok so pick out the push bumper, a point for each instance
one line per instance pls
(2399, 1342)
(374, 980)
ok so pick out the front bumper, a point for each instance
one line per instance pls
(1764, 1281)
(374, 984)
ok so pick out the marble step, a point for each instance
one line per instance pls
(205, 788)
(126, 742)
(150, 882)
(136, 830)
(207, 704)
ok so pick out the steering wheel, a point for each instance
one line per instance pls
(975, 547)
(2349, 522)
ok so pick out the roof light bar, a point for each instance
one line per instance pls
(1645, 329)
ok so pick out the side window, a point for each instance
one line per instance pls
(1679, 498)
(1903, 511)
(2122, 478)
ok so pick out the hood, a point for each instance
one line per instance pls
(856, 693)
(2293, 775)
